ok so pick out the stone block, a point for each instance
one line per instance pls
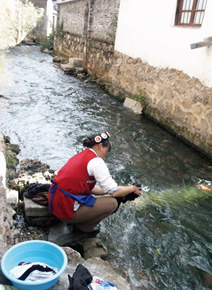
(57, 58)
(76, 62)
(60, 234)
(94, 247)
(12, 197)
(67, 67)
(38, 215)
(79, 70)
(33, 209)
(135, 106)
(44, 222)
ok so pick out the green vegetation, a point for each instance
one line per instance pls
(140, 96)
(111, 90)
(11, 160)
(173, 197)
(91, 78)
(64, 60)
(47, 42)
(59, 31)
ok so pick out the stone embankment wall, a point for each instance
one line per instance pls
(177, 102)
(174, 100)
(6, 211)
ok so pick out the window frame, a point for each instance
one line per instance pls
(193, 11)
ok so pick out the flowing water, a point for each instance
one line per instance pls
(163, 239)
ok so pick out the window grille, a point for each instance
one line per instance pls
(190, 12)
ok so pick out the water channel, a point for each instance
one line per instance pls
(163, 240)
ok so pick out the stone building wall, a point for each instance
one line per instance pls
(89, 26)
(94, 19)
(105, 13)
(174, 100)
(74, 16)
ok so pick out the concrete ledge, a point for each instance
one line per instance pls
(76, 62)
(38, 215)
(33, 209)
(67, 67)
(74, 65)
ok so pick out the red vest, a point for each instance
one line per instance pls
(72, 177)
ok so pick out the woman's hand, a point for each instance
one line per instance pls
(136, 189)
(125, 190)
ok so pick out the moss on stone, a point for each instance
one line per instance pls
(11, 160)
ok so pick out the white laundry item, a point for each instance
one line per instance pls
(33, 271)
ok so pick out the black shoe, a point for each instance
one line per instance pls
(94, 232)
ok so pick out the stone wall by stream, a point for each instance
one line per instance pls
(179, 103)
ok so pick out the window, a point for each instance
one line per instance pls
(190, 12)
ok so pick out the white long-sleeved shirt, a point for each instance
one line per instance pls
(97, 167)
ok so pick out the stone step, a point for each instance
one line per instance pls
(33, 209)
(62, 234)
(75, 62)
(67, 67)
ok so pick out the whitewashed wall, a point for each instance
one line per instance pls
(47, 27)
(146, 30)
(49, 17)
